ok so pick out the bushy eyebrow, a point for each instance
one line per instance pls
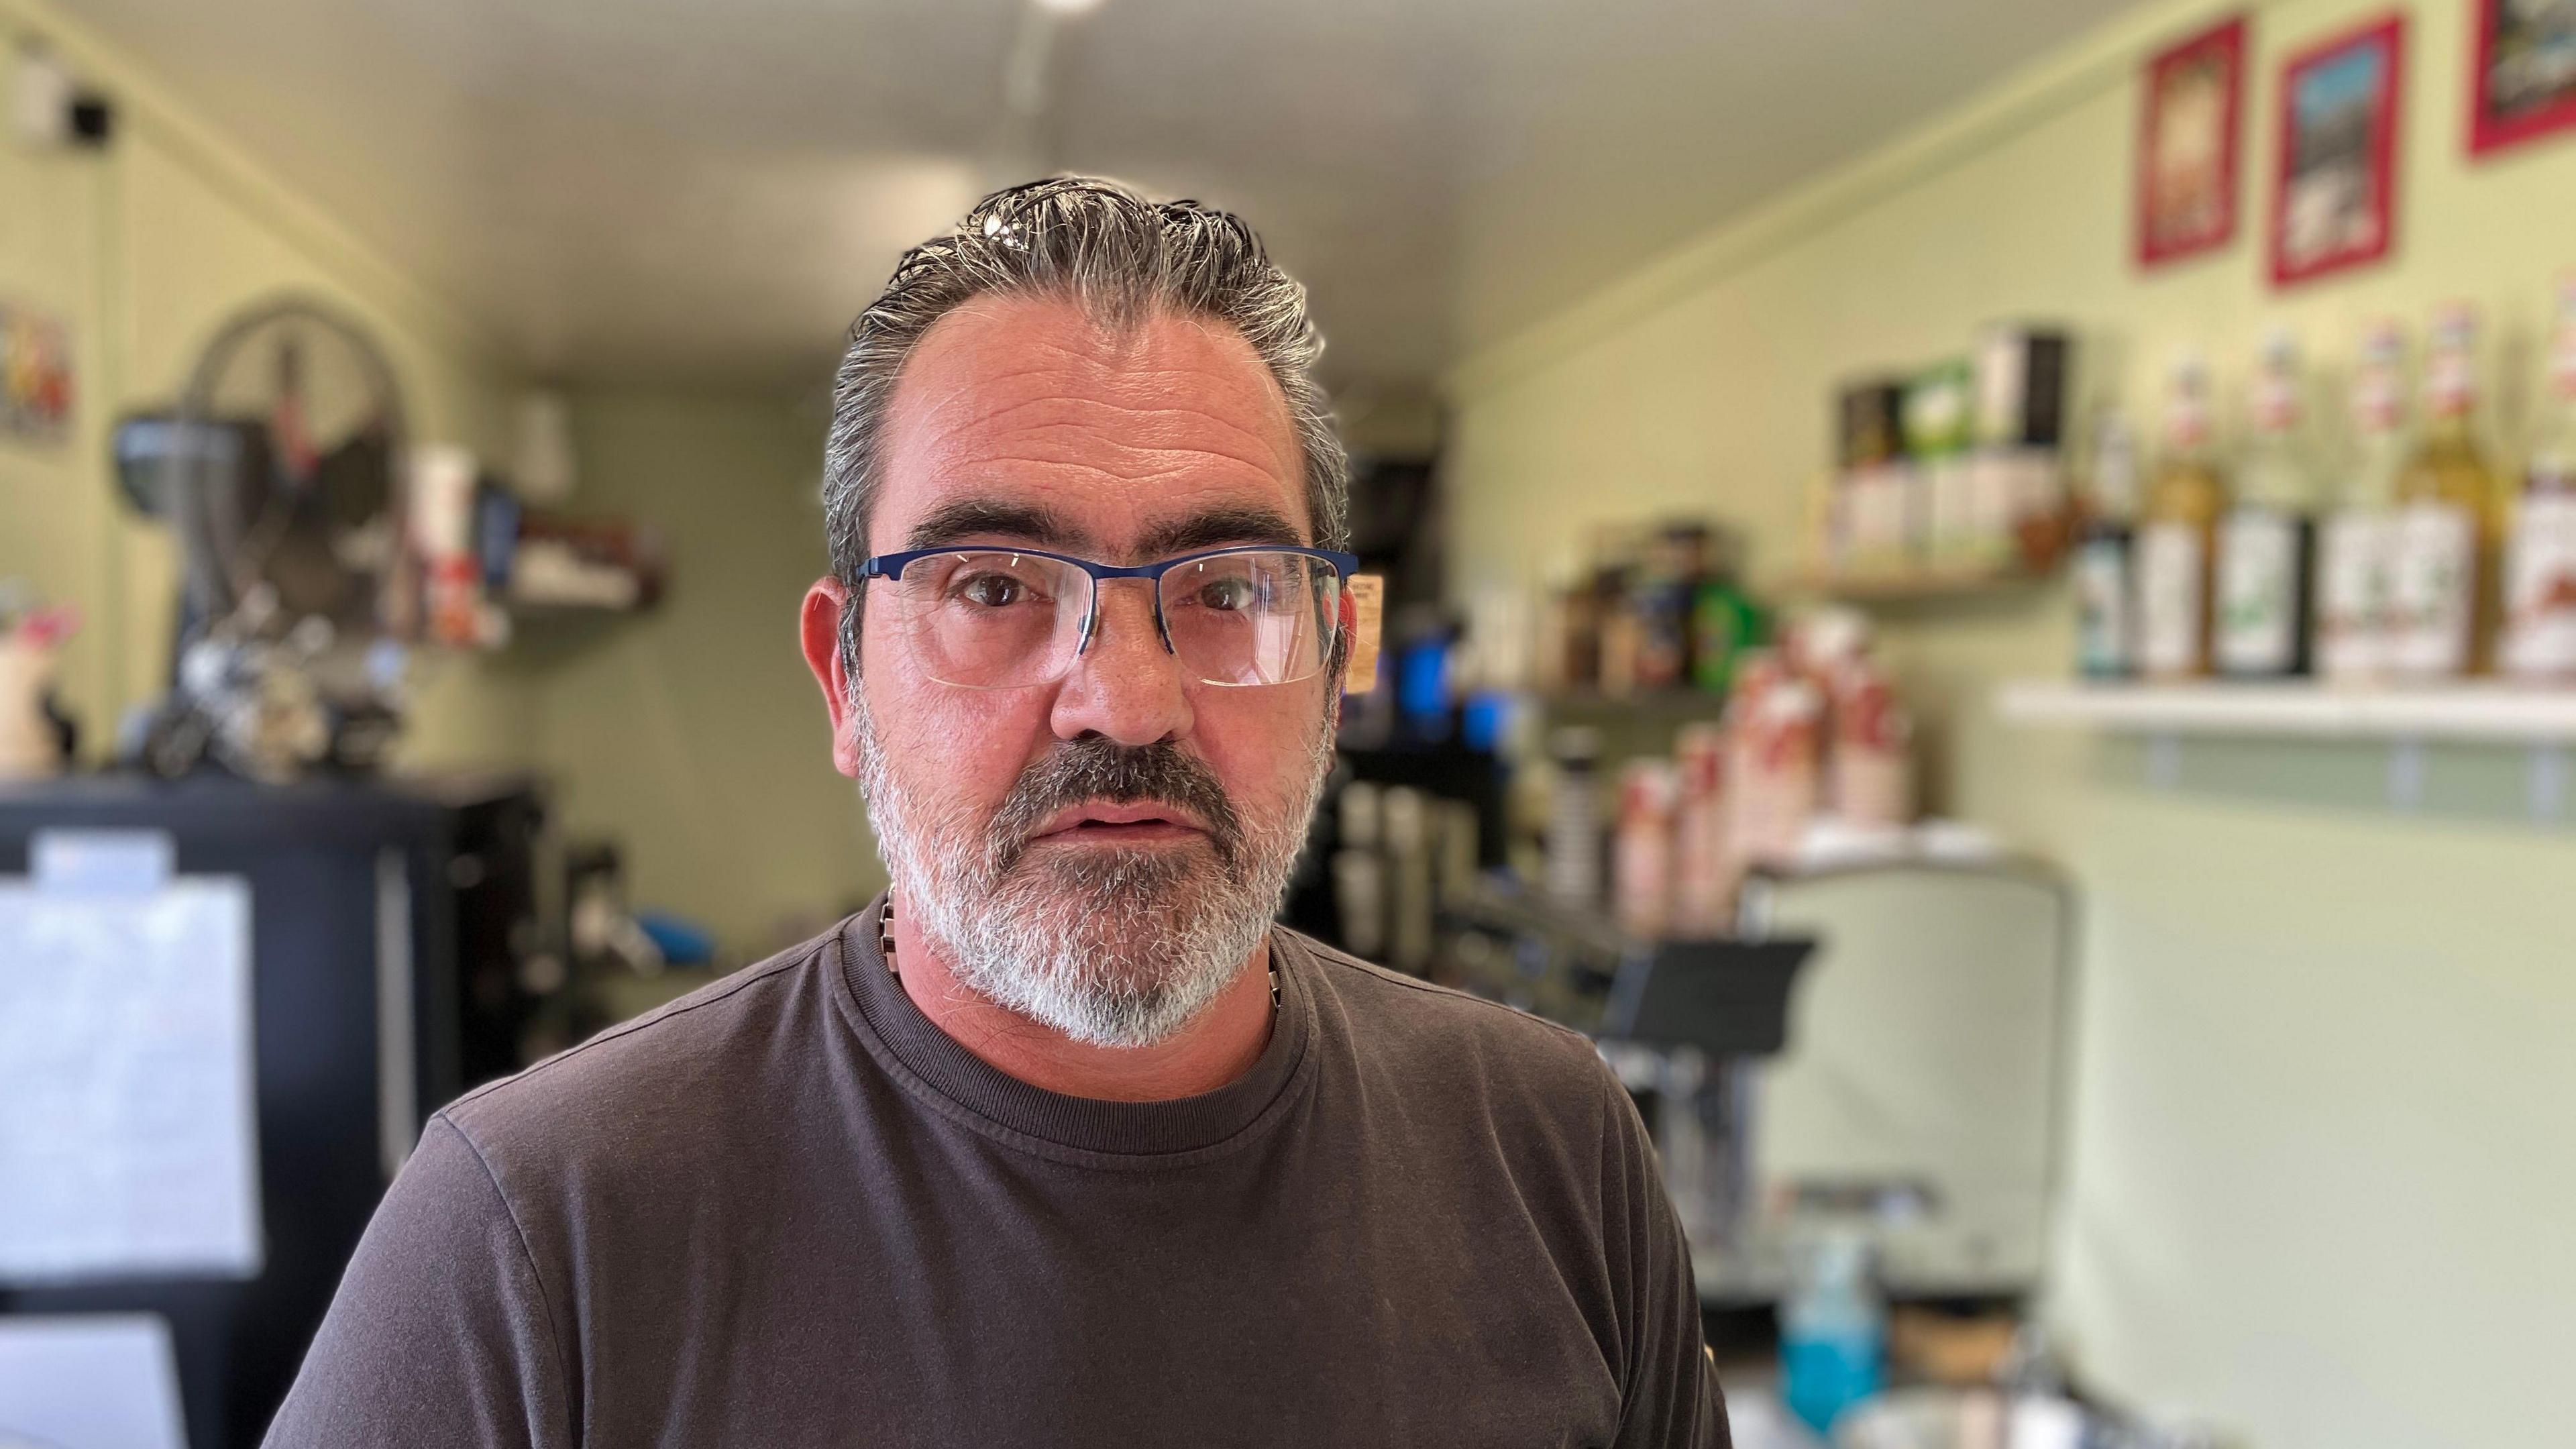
(1231, 523)
(961, 518)
(1035, 524)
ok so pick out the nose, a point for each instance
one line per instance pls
(1126, 687)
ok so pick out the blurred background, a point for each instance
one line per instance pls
(1984, 592)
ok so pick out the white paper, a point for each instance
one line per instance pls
(128, 1133)
(129, 862)
(89, 1381)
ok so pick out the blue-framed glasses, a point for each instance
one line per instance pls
(1006, 618)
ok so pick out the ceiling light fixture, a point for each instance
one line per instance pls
(1069, 7)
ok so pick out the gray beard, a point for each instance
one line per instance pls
(1114, 948)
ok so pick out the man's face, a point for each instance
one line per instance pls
(1022, 422)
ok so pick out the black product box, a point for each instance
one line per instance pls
(1870, 428)
(2021, 386)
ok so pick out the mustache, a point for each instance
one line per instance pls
(1093, 768)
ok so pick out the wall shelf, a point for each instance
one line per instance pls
(1910, 588)
(1678, 702)
(2480, 713)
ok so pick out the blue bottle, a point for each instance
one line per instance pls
(1833, 1331)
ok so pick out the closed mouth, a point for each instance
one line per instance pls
(1134, 823)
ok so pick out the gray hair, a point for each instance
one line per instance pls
(1121, 258)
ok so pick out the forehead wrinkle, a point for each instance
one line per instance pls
(1247, 442)
(1136, 498)
(1066, 429)
(1140, 528)
(1109, 348)
(1070, 445)
(1051, 482)
(1040, 404)
(1062, 362)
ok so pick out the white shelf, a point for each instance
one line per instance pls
(2482, 713)
(1902, 587)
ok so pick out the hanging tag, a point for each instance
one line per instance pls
(1363, 600)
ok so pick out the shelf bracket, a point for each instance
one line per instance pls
(2164, 761)
(2408, 768)
(2546, 786)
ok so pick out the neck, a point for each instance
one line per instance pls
(1215, 1048)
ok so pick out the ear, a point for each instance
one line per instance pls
(1363, 606)
(818, 633)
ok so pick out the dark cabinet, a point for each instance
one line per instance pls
(385, 922)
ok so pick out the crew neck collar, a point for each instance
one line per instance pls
(930, 1063)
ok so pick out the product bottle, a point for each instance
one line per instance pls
(1702, 890)
(2267, 546)
(2540, 573)
(1774, 725)
(1574, 845)
(2106, 627)
(1833, 1330)
(1942, 525)
(2449, 520)
(1725, 623)
(1359, 869)
(1622, 631)
(2016, 484)
(1676, 559)
(2357, 557)
(1876, 493)
(1869, 771)
(2176, 535)
(1641, 853)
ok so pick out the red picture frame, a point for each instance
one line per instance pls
(2503, 66)
(2190, 130)
(2334, 186)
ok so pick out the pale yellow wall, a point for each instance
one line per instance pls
(54, 528)
(145, 250)
(2322, 1153)
(693, 735)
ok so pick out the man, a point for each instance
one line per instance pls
(1061, 1143)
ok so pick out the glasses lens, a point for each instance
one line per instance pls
(1252, 618)
(990, 619)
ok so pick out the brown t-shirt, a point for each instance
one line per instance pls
(789, 1210)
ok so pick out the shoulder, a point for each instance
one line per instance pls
(712, 1052)
(1437, 1034)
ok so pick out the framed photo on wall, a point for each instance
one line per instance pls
(35, 376)
(2334, 199)
(2523, 78)
(2187, 145)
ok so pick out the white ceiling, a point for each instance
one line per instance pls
(708, 190)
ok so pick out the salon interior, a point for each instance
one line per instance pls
(1982, 594)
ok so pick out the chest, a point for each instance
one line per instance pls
(980, 1300)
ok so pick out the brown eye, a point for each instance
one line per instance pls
(992, 591)
(1228, 594)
